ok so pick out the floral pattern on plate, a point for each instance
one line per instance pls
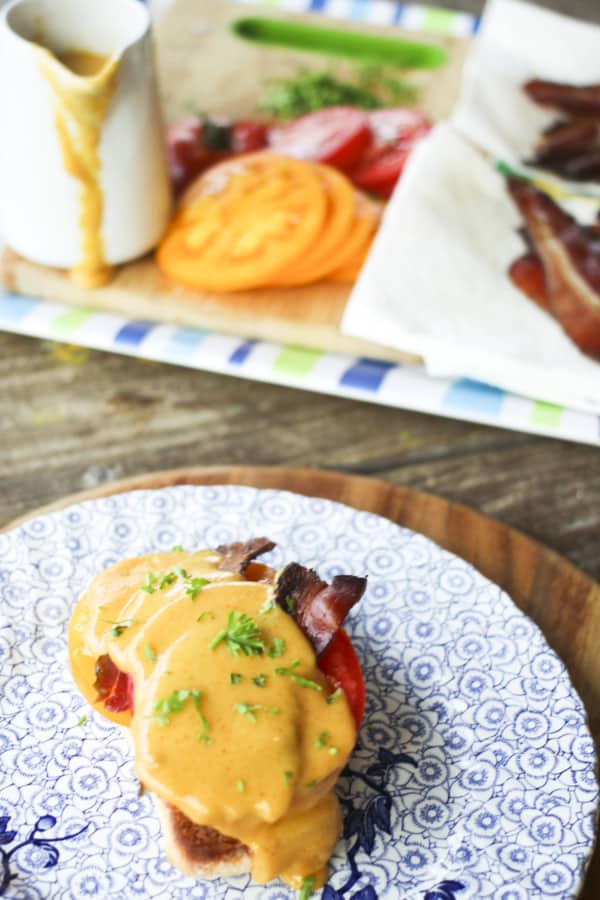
(474, 774)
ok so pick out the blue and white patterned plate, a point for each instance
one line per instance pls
(474, 776)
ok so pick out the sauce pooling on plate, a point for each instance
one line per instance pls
(234, 723)
(83, 85)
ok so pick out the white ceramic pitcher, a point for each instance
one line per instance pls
(42, 104)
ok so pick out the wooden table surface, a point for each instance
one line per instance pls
(72, 419)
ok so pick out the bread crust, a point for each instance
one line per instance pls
(199, 850)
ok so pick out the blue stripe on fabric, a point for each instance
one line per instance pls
(13, 307)
(474, 396)
(133, 333)
(359, 9)
(183, 343)
(317, 5)
(366, 374)
(398, 13)
(476, 24)
(241, 353)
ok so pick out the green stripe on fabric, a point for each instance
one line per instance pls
(439, 21)
(547, 414)
(70, 321)
(296, 361)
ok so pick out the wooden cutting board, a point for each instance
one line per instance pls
(563, 601)
(203, 68)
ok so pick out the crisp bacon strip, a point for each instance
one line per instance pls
(570, 149)
(570, 256)
(317, 607)
(114, 688)
(581, 101)
(237, 556)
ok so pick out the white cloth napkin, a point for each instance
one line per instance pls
(517, 42)
(435, 282)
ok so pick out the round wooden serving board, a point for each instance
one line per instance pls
(563, 601)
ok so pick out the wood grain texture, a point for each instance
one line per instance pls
(558, 597)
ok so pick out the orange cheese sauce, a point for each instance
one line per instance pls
(256, 755)
(83, 85)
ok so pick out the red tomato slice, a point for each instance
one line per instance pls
(338, 135)
(340, 663)
(380, 170)
(400, 124)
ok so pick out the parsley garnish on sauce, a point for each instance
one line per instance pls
(174, 703)
(277, 648)
(194, 587)
(333, 697)
(307, 888)
(241, 636)
(249, 710)
(289, 673)
(267, 607)
(240, 786)
(260, 680)
(117, 628)
(149, 653)
(235, 677)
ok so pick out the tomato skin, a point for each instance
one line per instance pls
(340, 663)
(395, 133)
(338, 136)
(187, 155)
(247, 136)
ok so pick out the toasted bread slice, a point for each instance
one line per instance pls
(198, 850)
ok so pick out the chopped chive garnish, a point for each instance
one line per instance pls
(277, 648)
(194, 587)
(181, 573)
(321, 741)
(235, 677)
(267, 606)
(333, 751)
(248, 710)
(81, 721)
(149, 653)
(288, 776)
(241, 636)
(335, 696)
(260, 680)
(303, 682)
(240, 786)
(177, 549)
(204, 738)
(290, 603)
(307, 888)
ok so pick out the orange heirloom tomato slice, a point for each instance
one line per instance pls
(318, 261)
(243, 222)
(346, 267)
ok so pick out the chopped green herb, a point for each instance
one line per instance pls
(248, 710)
(235, 677)
(304, 682)
(240, 786)
(117, 628)
(241, 636)
(335, 696)
(307, 888)
(177, 549)
(149, 653)
(181, 573)
(194, 587)
(290, 603)
(288, 776)
(267, 606)
(167, 580)
(260, 680)
(81, 721)
(174, 703)
(277, 648)
(149, 585)
(322, 740)
(204, 614)
(333, 751)
(204, 738)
